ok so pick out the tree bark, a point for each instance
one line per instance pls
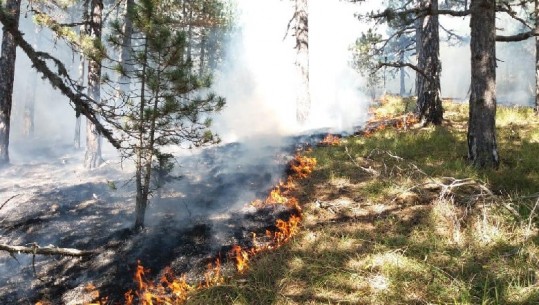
(83, 30)
(7, 77)
(482, 147)
(30, 99)
(59, 79)
(93, 156)
(429, 104)
(536, 15)
(303, 103)
(402, 76)
(78, 118)
(141, 198)
(125, 56)
(419, 53)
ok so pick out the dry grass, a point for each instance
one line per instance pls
(400, 218)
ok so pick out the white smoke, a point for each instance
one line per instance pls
(260, 77)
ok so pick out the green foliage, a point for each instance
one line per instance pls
(168, 104)
(366, 58)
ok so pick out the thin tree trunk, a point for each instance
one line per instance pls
(419, 53)
(189, 31)
(536, 15)
(482, 147)
(203, 44)
(141, 199)
(213, 47)
(93, 156)
(402, 76)
(303, 103)
(7, 77)
(83, 30)
(125, 56)
(78, 118)
(30, 99)
(429, 103)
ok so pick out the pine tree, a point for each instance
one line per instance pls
(167, 106)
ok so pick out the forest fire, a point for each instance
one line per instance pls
(170, 290)
(402, 122)
(301, 167)
(175, 289)
(330, 140)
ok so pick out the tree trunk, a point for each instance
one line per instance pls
(83, 29)
(303, 106)
(482, 148)
(125, 56)
(536, 15)
(429, 104)
(93, 157)
(141, 200)
(419, 53)
(78, 118)
(402, 75)
(30, 98)
(203, 43)
(7, 77)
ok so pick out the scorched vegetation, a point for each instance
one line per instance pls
(398, 216)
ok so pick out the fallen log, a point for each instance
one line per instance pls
(35, 249)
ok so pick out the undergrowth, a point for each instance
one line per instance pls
(400, 217)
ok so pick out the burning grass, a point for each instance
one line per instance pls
(400, 218)
(175, 289)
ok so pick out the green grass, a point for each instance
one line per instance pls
(386, 222)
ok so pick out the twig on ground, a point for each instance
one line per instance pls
(35, 249)
(368, 170)
(8, 200)
(531, 215)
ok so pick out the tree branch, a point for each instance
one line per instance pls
(35, 249)
(79, 99)
(419, 11)
(405, 64)
(517, 37)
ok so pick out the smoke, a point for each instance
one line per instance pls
(259, 78)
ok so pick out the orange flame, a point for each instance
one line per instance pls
(213, 276)
(330, 140)
(171, 289)
(276, 196)
(302, 166)
(174, 290)
(242, 258)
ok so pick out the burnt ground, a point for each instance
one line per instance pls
(191, 221)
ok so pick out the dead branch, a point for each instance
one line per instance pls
(531, 215)
(8, 200)
(403, 65)
(35, 249)
(365, 169)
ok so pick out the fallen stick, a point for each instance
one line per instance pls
(35, 249)
(9, 199)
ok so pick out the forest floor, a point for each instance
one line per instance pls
(397, 216)
(394, 215)
(48, 198)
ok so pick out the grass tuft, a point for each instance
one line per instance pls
(400, 217)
